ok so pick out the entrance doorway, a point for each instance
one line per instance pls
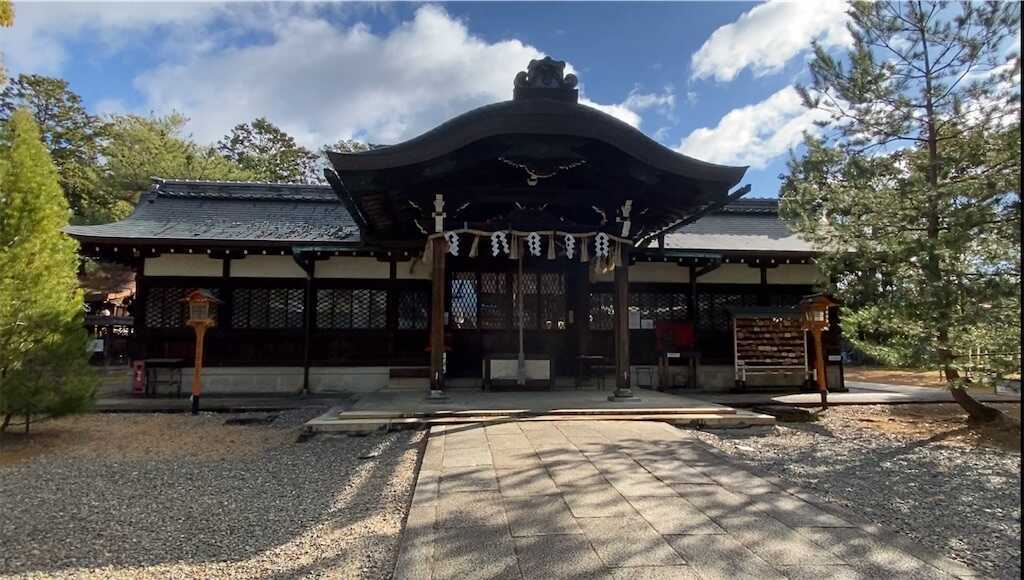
(483, 308)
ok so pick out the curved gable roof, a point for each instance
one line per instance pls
(538, 116)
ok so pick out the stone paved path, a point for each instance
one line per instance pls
(626, 500)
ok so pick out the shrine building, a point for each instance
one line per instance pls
(530, 243)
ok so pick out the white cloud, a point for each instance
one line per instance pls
(319, 78)
(322, 82)
(37, 41)
(755, 134)
(619, 110)
(768, 35)
(629, 110)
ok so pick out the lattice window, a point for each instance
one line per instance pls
(348, 308)
(659, 305)
(494, 300)
(525, 290)
(413, 309)
(165, 309)
(464, 298)
(714, 309)
(787, 299)
(602, 311)
(552, 301)
(267, 308)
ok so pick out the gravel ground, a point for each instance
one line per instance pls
(332, 506)
(960, 500)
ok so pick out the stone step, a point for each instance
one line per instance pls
(407, 384)
(331, 423)
(695, 410)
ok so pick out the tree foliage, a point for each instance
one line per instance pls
(6, 21)
(43, 359)
(70, 133)
(269, 153)
(6, 13)
(137, 148)
(915, 185)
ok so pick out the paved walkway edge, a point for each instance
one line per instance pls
(416, 546)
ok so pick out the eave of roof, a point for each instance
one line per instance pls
(177, 212)
(534, 117)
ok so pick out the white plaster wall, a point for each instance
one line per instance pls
(732, 274)
(266, 267)
(184, 265)
(288, 380)
(347, 379)
(412, 270)
(658, 272)
(245, 380)
(794, 274)
(352, 267)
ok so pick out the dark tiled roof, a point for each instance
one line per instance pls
(218, 211)
(222, 211)
(744, 225)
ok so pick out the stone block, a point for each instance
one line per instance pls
(562, 556)
(597, 501)
(674, 515)
(628, 541)
(539, 516)
(721, 557)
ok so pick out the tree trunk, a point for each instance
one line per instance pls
(7, 421)
(976, 411)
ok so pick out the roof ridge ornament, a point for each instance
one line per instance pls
(546, 79)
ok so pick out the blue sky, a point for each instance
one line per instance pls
(712, 80)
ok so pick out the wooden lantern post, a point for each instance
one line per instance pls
(201, 304)
(814, 310)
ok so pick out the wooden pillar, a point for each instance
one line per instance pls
(623, 388)
(309, 306)
(819, 365)
(764, 297)
(581, 309)
(437, 319)
(691, 303)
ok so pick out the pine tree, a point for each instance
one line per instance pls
(70, 133)
(43, 359)
(915, 186)
(269, 153)
(136, 148)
